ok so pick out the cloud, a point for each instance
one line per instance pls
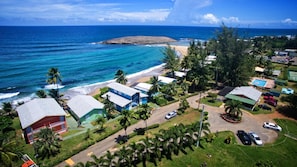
(209, 18)
(289, 21)
(230, 19)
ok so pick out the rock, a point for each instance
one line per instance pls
(140, 40)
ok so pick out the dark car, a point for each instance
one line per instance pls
(267, 94)
(271, 102)
(264, 106)
(244, 137)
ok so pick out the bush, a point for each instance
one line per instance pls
(256, 108)
(161, 101)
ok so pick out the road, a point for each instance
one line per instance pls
(249, 123)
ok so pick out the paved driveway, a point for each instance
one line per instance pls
(249, 123)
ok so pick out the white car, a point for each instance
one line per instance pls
(272, 126)
(255, 138)
(171, 114)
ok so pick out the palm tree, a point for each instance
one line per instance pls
(108, 107)
(232, 108)
(155, 85)
(100, 121)
(47, 144)
(41, 94)
(125, 120)
(7, 153)
(183, 105)
(54, 76)
(120, 77)
(144, 113)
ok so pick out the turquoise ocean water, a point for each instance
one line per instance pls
(26, 53)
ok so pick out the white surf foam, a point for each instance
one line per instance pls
(54, 86)
(8, 95)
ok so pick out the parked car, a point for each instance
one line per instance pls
(271, 125)
(264, 106)
(267, 94)
(171, 114)
(271, 102)
(244, 137)
(268, 98)
(255, 138)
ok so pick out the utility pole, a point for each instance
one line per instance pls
(200, 127)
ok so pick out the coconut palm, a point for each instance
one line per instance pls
(100, 121)
(54, 76)
(232, 108)
(171, 60)
(108, 107)
(120, 77)
(155, 85)
(144, 113)
(41, 94)
(47, 144)
(125, 120)
(183, 105)
(7, 153)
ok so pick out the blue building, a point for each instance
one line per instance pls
(124, 97)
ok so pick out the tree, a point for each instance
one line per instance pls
(125, 120)
(47, 144)
(232, 108)
(108, 107)
(7, 108)
(5, 127)
(144, 113)
(7, 152)
(100, 121)
(171, 60)
(155, 85)
(235, 64)
(41, 94)
(120, 77)
(183, 105)
(54, 76)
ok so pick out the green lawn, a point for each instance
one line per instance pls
(283, 152)
(208, 101)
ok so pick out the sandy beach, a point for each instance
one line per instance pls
(142, 76)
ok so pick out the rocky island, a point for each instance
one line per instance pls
(140, 40)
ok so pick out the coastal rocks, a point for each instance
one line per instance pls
(140, 40)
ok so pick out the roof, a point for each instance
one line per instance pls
(116, 99)
(37, 109)
(259, 69)
(179, 74)
(165, 80)
(83, 104)
(276, 72)
(143, 86)
(122, 88)
(247, 91)
(241, 99)
(225, 90)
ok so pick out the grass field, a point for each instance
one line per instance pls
(281, 153)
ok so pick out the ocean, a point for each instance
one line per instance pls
(27, 53)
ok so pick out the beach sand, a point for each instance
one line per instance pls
(142, 76)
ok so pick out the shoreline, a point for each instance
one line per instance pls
(141, 76)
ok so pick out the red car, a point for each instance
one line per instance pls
(268, 98)
(271, 102)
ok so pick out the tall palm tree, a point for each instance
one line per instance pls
(155, 85)
(47, 144)
(54, 76)
(144, 113)
(125, 120)
(232, 107)
(7, 153)
(120, 77)
(41, 94)
(183, 105)
(171, 60)
(108, 107)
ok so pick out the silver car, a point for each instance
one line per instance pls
(255, 138)
(171, 114)
(271, 125)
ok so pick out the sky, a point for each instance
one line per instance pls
(213, 13)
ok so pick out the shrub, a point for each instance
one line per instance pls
(161, 101)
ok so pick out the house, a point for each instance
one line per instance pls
(247, 95)
(165, 80)
(180, 74)
(259, 69)
(40, 113)
(124, 97)
(84, 106)
(143, 87)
